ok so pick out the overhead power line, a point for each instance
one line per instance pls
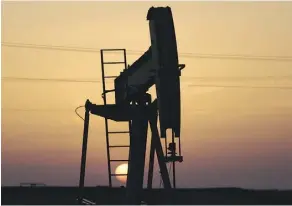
(136, 52)
(96, 81)
(71, 110)
(35, 110)
(49, 79)
(212, 78)
(63, 48)
(240, 86)
(239, 78)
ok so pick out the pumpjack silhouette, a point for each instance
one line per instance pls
(159, 67)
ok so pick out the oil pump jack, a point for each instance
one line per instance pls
(158, 66)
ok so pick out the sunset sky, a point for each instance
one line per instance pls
(231, 136)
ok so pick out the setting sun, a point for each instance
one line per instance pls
(120, 170)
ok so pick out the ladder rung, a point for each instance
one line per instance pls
(119, 160)
(113, 49)
(113, 62)
(110, 77)
(119, 146)
(107, 91)
(119, 174)
(119, 132)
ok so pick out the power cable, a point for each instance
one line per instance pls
(35, 110)
(240, 86)
(67, 110)
(48, 79)
(76, 111)
(97, 81)
(15, 78)
(136, 52)
(62, 48)
(43, 110)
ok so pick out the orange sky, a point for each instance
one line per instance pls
(230, 136)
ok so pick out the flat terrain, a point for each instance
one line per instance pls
(104, 195)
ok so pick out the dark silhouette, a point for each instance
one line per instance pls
(107, 196)
(158, 67)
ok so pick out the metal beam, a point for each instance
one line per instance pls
(138, 140)
(158, 149)
(83, 155)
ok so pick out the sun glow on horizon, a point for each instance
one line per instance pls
(120, 171)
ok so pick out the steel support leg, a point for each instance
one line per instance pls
(83, 156)
(138, 139)
(151, 163)
(159, 151)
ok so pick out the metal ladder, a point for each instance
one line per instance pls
(107, 132)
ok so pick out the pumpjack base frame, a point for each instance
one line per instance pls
(139, 115)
